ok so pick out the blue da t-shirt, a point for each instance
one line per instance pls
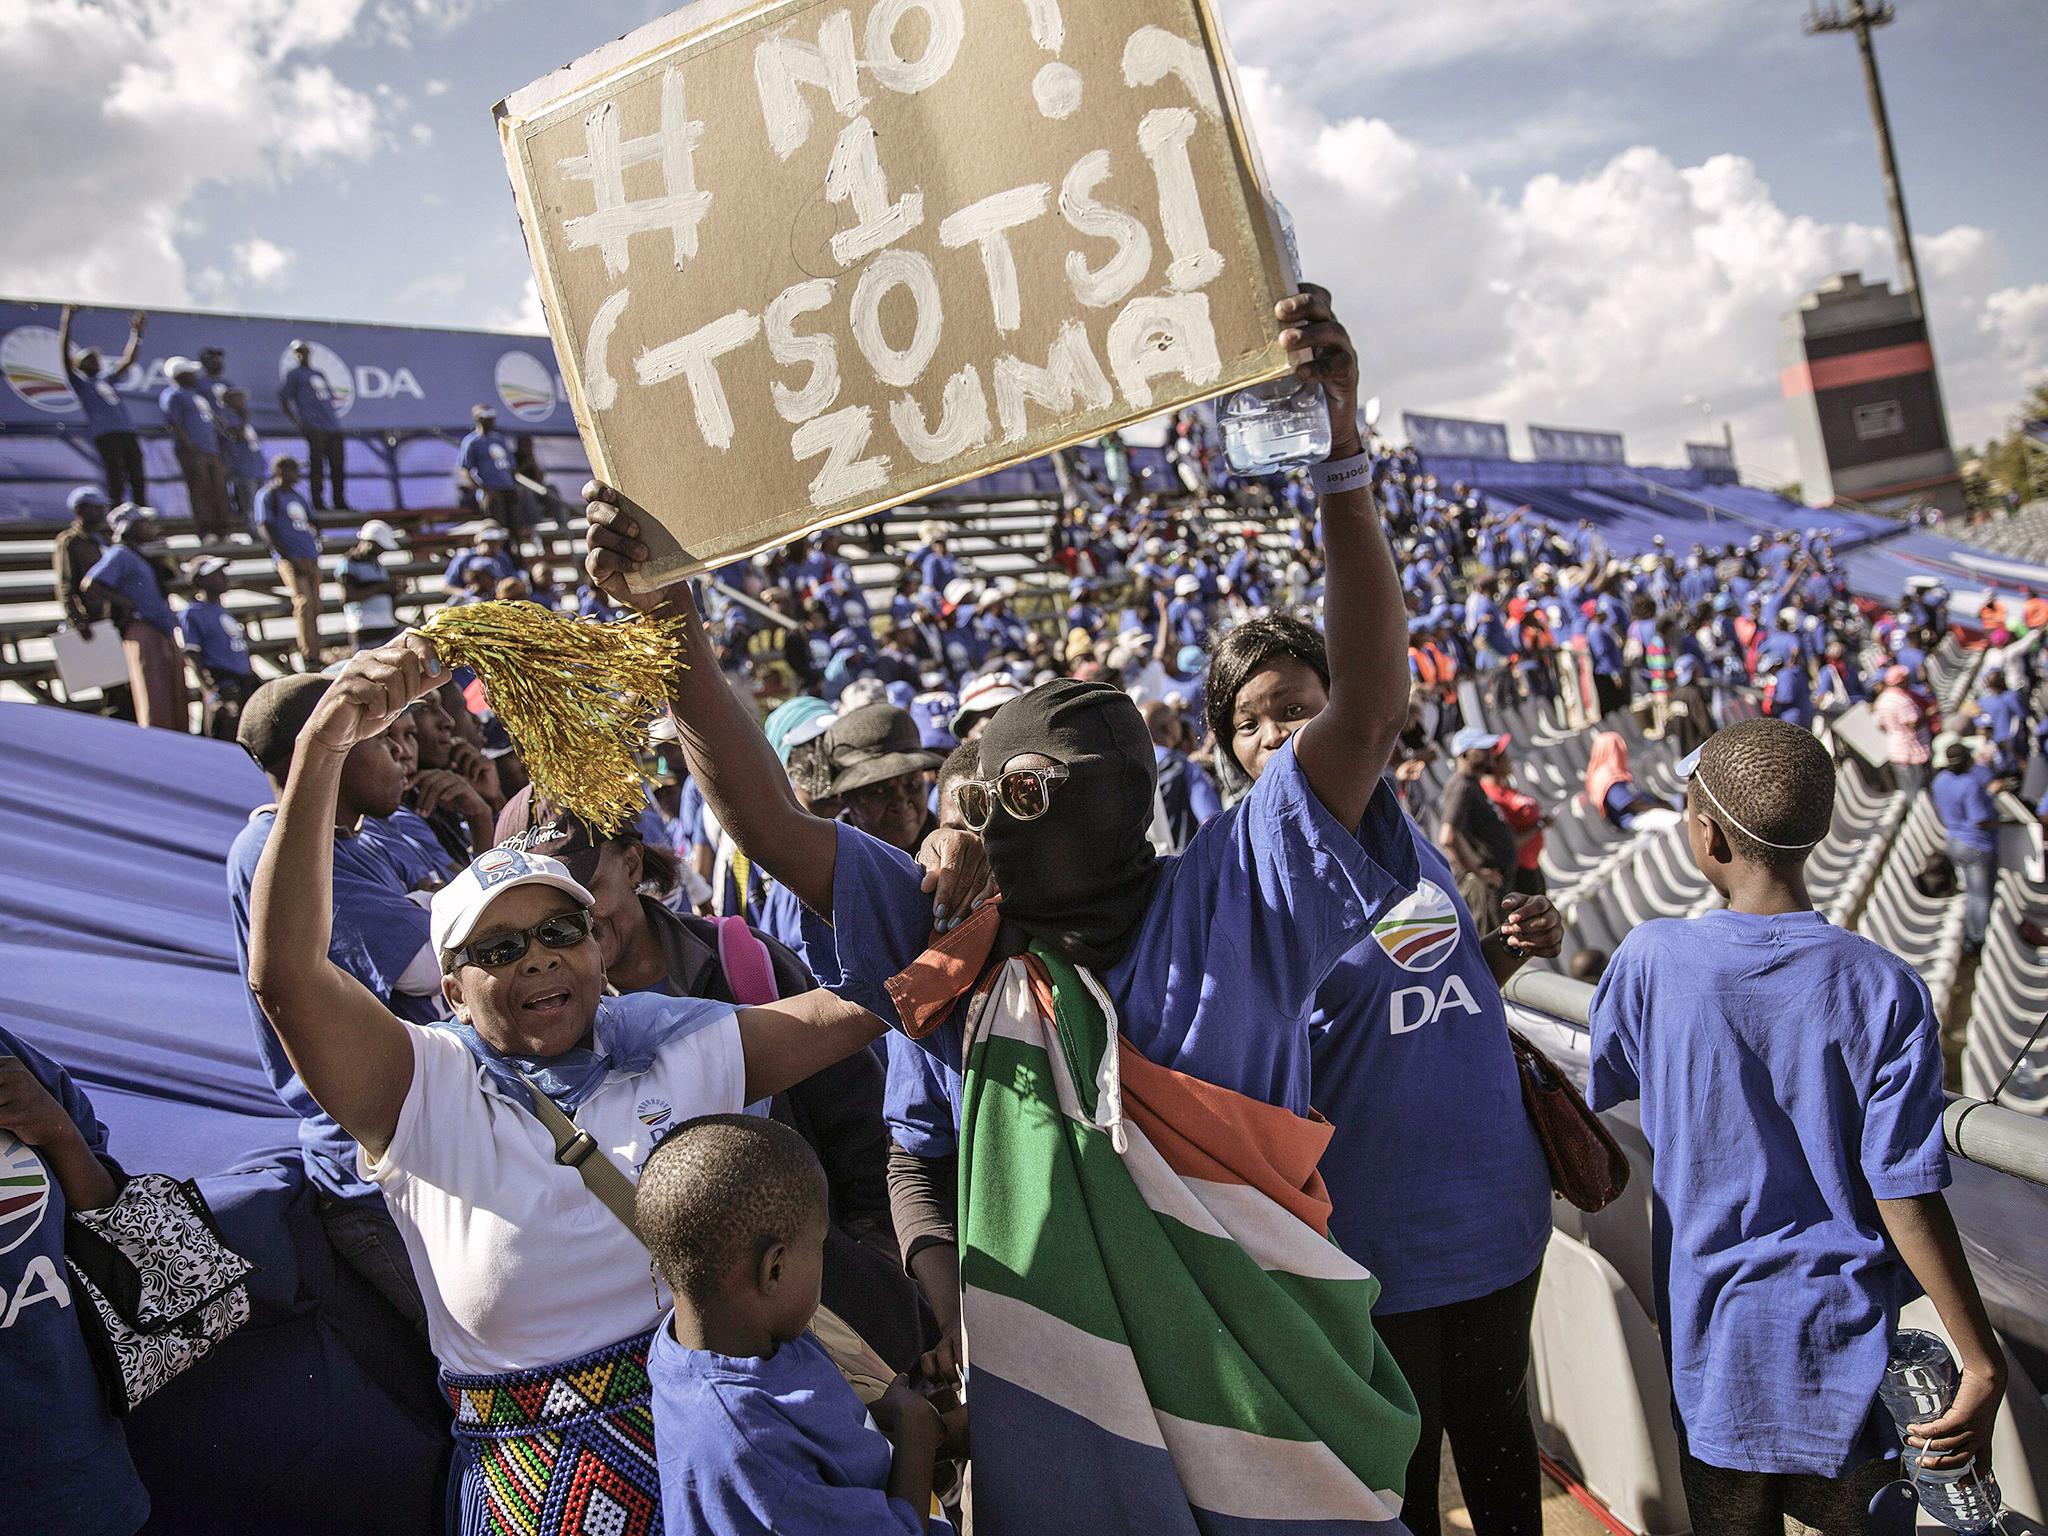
(1438, 1182)
(215, 637)
(769, 1447)
(131, 575)
(488, 458)
(306, 393)
(285, 514)
(66, 1457)
(378, 932)
(105, 410)
(1241, 929)
(1790, 1078)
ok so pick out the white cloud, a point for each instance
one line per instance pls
(526, 316)
(262, 261)
(157, 98)
(437, 87)
(1605, 300)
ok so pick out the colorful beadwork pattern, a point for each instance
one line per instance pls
(566, 1450)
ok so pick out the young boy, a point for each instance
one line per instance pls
(755, 1430)
(1790, 1079)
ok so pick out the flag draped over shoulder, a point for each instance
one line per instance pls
(1160, 1335)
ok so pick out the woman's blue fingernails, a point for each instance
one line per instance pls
(979, 903)
(939, 913)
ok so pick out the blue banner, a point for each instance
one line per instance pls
(1709, 456)
(384, 378)
(1453, 435)
(1569, 445)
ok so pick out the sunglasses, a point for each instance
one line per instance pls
(565, 930)
(1023, 794)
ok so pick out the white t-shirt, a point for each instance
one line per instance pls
(519, 1264)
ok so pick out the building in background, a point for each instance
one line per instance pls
(1859, 382)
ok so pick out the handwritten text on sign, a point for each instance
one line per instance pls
(823, 257)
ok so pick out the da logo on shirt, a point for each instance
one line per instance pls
(526, 386)
(654, 1113)
(1418, 934)
(24, 1192)
(328, 364)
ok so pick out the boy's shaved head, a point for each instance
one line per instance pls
(721, 1190)
(1770, 787)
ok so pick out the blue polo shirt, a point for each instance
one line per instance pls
(105, 410)
(1962, 800)
(289, 520)
(67, 1458)
(192, 413)
(456, 577)
(306, 394)
(244, 448)
(124, 571)
(378, 931)
(1438, 1182)
(1219, 980)
(1790, 1078)
(488, 458)
(215, 639)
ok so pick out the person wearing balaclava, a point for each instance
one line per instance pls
(1211, 958)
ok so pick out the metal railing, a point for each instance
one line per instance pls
(1989, 1135)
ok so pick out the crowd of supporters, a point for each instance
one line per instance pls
(1179, 793)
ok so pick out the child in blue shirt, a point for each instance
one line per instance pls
(1790, 1081)
(755, 1430)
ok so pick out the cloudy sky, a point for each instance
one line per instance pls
(1577, 212)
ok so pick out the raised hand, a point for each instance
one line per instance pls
(1307, 320)
(616, 551)
(372, 689)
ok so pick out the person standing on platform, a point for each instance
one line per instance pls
(195, 436)
(106, 413)
(247, 468)
(308, 402)
(486, 463)
(133, 587)
(287, 530)
(217, 648)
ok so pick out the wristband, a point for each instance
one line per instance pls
(1332, 477)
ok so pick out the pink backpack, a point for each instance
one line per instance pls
(744, 958)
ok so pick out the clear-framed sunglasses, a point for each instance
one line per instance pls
(1023, 794)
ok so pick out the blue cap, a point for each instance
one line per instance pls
(1476, 739)
(1689, 764)
(787, 719)
(1723, 601)
(86, 495)
(900, 693)
(1189, 661)
(933, 713)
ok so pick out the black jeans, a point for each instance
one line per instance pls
(324, 451)
(121, 456)
(1729, 1503)
(1468, 1366)
(365, 1238)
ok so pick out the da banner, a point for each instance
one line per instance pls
(803, 260)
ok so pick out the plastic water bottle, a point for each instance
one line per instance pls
(1919, 1384)
(1280, 425)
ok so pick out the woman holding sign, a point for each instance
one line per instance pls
(1150, 1299)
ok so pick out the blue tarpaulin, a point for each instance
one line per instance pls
(118, 955)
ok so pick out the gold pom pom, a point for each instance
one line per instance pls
(575, 696)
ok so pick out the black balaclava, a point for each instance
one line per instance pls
(1078, 878)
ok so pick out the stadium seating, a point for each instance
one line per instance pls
(1926, 930)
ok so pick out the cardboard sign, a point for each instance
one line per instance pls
(803, 261)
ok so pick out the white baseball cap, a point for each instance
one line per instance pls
(986, 694)
(1186, 586)
(173, 366)
(380, 533)
(460, 904)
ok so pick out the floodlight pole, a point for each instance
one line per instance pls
(1861, 18)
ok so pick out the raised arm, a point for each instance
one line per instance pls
(64, 319)
(730, 759)
(128, 355)
(348, 1049)
(1344, 750)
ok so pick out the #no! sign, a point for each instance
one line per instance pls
(805, 261)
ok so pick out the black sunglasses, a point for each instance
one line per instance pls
(565, 930)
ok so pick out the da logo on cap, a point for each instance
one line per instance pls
(24, 1192)
(498, 866)
(1419, 933)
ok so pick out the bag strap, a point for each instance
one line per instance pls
(749, 969)
(865, 1371)
(576, 1148)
